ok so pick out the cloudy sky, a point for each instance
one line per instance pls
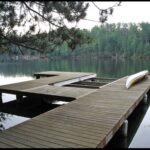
(128, 12)
(134, 12)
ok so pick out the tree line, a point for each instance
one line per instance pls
(112, 40)
(107, 40)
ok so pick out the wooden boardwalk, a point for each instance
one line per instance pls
(88, 122)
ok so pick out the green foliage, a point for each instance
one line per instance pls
(113, 40)
(122, 39)
(109, 40)
(14, 14)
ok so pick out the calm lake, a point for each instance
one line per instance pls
(139, 122)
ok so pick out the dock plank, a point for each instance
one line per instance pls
(28, 139)
(63, 92)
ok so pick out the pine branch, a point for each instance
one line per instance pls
(40, 15)
(20, 44)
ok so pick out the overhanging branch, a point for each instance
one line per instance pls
(20, 44)
(41, 15)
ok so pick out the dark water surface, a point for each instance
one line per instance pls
(139, 121)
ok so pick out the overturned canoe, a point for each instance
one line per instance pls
(135, 78)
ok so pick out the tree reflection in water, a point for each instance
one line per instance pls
(3, 117)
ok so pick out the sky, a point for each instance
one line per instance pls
(128, 12)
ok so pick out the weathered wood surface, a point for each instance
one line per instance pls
(88, 122)
(55, 91)
(83, 86)
(72, 76)
(60, 73)
(44, 87)
(16, 87)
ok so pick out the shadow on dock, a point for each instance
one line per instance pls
(27, 107)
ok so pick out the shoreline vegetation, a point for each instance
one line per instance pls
(78, 57)
(112, 41)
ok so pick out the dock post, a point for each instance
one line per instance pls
(145, 98)
(19, 97)
(124, 129)
(1, 101)
(37, 76)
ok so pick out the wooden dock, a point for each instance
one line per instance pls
(63, 78)
(50, 86)
(87, 122)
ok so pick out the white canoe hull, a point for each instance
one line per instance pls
(135, 78)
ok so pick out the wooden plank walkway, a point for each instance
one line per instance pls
(88, 122)
(47, 81)
(71, 76)
(60, 73)
(58, 92)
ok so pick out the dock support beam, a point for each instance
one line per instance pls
(19, 97)
(145, 98)
(1, 101)
(124, 129)
(37, 76)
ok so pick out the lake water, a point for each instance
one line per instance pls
(23, 71)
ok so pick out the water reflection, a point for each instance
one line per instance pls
(103, 67)
(141, 138)
(9, 80)
(9, 120)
